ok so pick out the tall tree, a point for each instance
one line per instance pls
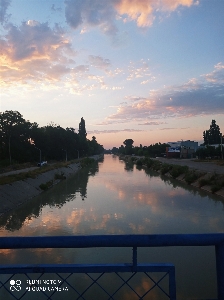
(128, 146)
(14, 135)
(82, 129)
(213, 135)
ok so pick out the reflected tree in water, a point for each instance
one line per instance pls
(56, 197)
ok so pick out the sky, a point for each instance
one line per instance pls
(148, 70)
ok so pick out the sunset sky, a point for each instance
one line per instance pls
(150, 70)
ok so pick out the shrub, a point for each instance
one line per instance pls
(178, 170)
(214, 176)
(203, 182)
(139, 162)
(156, 165)
(149, 163)
(45, 186)
(165, 168)
(190, 177)
(86, 161)
(215, 188)
(59, 176)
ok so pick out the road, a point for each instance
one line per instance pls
(203, 166)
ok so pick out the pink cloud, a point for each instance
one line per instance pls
(189, 99)
(104, 13)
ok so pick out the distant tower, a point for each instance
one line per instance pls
(82, 128)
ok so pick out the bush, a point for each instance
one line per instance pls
(216, 188)
(203, 182)
(165, 168)
(86, 161)
(214, 176)
(59, 176)
(149, 163)
(178, 170)
(45, 186)
(139, 162)
(156, 165)
(190, 177)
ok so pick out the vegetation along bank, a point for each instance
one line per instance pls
(18, 188)
(210, 182)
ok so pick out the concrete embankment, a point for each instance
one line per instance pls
(18, 192)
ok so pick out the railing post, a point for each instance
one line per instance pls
(172, 284)
(134, 259)
(219, 251)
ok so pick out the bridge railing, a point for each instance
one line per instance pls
(97, 241)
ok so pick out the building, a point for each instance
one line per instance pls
(181, 149)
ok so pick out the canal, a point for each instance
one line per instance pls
(114, 197)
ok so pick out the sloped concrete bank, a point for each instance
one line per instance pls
(18, 192)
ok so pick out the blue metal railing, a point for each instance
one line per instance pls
(134, 241)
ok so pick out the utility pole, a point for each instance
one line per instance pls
(10, 158)
(66, 158)
(40, 155)
(78, 153)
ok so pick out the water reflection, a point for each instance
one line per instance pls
(129, 167)
(56, 197)
(113, 197)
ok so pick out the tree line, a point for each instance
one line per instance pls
(23, 141)
(210, 148)
(153, 150)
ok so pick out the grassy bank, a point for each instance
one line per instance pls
(200, 179)
(34, 173)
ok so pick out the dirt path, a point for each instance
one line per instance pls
(203, 166)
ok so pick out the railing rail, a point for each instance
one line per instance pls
(163, 240)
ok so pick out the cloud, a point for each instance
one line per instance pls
(53, 8)
(169, 128)
(99, 62)
(113, 131)
(91, 13)
(4, 4)
(203, 96)
(152, 123)
(34, 51)
(217, 75)
(138, 71)
(105, 13)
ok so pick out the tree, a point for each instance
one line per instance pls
(82, 129)
(20, 140)
(128, 146)
(14, 136)
(213, 135)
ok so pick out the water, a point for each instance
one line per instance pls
(113, 197)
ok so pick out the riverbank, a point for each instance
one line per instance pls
(204, 176)
(32, 184)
